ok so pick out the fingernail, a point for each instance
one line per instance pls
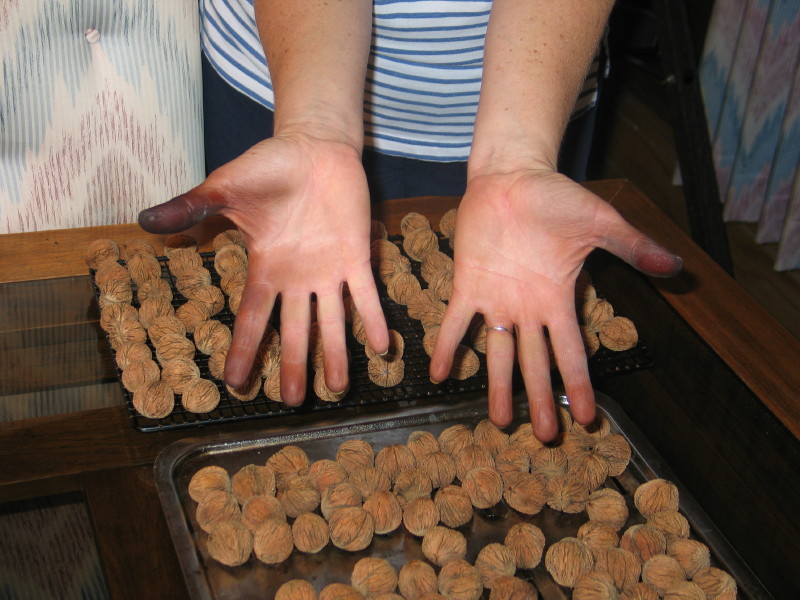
(382, 354)
(434, 382)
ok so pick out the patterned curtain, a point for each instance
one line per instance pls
(100, 109)
(750, 76)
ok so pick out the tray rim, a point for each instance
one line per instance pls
(649, 462)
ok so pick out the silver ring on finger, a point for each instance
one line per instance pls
(501, 329)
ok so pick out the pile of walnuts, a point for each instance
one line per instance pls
(431, 487)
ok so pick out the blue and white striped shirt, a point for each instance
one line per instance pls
(423, 78)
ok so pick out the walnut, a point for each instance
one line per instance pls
(640, 591)
(248, 390)
(526, 493)
(287, 462)
(230, 258)
(132, 352)
(179, 240)
(425, 307)
(616, 451)
(549, 461)
(420, 242)
(662, 571)
(411, 484)
(182, 260)
(454, 438)
(644, 541)
(442, 285)
(340, 591)
(403, 287)
(385, 510)
(258, 509)
(526, 542)
(295, 589)
(382, 250)
(584, 290)
(144, 267)
(310, 532)
(508, 587)
(235, 299)
(489, 436)
(685, 590)
(691, 554)
(716, 583)
(253, 480)
(173, 345)
(566, 493)
(137, 246)
(623, 566)
(619, 334)
(440, 468)
(339, 495)
(372, 576)
(392, 266)
(484, 486)
(591, 341)
(230, 543)
(396, 347)
(672, 524)
(454, 504)
(656, 495)
(232, 281)
(326, 472)
(353, 453)
(470, 457)
(298, 495)
(128, 332)
(215, 507)
(216, 364)
(465, 363)
(211, 336)
(595, 313)
(413, 221)
(493, 560)
(477, 334)
(179, 373)
(385, 373)
(229, 236)
(435, 263)
(208, 479)
(422, 443)
(358, 328)
(111, 271)
(576, 444)
(607, 506)
(192, 313)
(590, 468)
(153, 288)
(420, 515)
(442, 544)
(114, 291)
(210, 297)
(512, 460)
(139, 373)
(378, 231)
(447, 224)
(430, 339)
(597, 536)
(272, 541)
(524, 438)
(459, 580)
(191, 280)
(595, 585)
(369, 480)
(161, 326)
(322, 390)
(351, 528)
(100, 252)
(272, 383)
(416, 578)
(154, 400)
(395, 458)
(567, 560)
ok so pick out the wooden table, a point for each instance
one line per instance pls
(721, 405)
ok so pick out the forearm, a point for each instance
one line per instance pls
(317, 55)
(536, 59)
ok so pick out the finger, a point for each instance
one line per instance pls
(365, 297)
(457, 318)
(638, 250)
(534, 362)
(330, 318)
(295, 325)
(572, 364)
(258, 300)
(500, 365)
(180, 213)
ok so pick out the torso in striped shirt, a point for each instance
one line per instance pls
(423, 78)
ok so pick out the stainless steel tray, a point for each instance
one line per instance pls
(207, 579)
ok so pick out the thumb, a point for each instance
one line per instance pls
(638, 250)
(181, 212)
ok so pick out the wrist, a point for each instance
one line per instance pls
(324, 127)
(506, 154)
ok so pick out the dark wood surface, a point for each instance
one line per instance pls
(720, 405)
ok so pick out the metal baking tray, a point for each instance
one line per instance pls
(208, 580)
